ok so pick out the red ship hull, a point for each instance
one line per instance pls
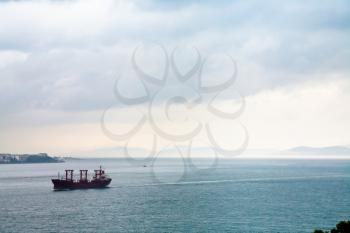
(89, 184)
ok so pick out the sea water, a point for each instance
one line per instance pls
(235, 195)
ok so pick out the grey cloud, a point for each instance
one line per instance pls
(72, 65)
(66, 80)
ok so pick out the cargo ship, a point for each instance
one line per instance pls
(99, 180)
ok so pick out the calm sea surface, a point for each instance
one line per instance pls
(237, 196)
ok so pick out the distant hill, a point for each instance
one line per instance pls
(114, 152)
(28, 158)
(331, 150)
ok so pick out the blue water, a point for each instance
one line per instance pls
(237, 196)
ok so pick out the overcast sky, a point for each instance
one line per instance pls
(59, 61)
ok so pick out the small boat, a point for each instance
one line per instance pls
(99, 180)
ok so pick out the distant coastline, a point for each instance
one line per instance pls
(331, 150)
(28, 158)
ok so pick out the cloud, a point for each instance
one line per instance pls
(311, 113)
(8, 57)
(63, 57)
